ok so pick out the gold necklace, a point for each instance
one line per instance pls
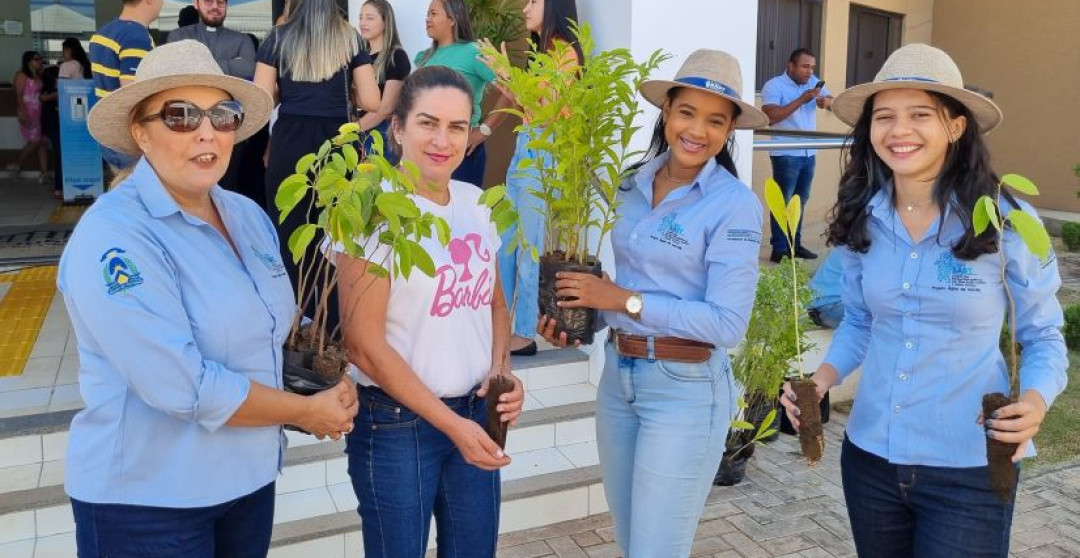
(667, 172)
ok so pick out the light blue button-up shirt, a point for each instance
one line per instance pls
(172, 327)
(694, 257)
(925, 326)
(782, 90)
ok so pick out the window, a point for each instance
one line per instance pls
(783, 26)
(872, 36)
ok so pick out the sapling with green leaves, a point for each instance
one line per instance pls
(811, 433)
(987, 212)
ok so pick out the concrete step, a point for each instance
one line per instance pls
(552, 444)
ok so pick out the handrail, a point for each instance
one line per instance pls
(799, 139)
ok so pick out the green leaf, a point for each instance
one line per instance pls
(422, 259)
(774, 199)
(794, 215)
(493, 195)
(351, 156)
(349, 127)
(1020, 184)
(290, 193)
(303, 166)
(980, 216)
(741, 425)
(442, 230)
(1031, 232)
(300, 239)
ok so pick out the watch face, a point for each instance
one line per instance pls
(633, 304)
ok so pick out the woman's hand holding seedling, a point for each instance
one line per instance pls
(509, 403)
(1017, 423)
(825, 378)
(585, 290)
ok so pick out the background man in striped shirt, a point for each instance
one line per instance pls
(115, 53)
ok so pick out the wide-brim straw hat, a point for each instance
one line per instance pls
(918, 66)
(712, 71)
(179, 64)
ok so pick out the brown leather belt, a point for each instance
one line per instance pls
(674, 349)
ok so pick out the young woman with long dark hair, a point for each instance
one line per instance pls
(686, 247)
(547, 21)
(453, 45)
(379, 36)
(924, 300)
(76, 64)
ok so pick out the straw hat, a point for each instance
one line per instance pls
(713, 71)
(918, 66)
(179, 64)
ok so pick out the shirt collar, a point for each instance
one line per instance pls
(703, 180)
(159, 203)
(881, 207)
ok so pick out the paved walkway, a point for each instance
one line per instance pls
(786, 509)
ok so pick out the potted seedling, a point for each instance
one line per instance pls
(584, 118)
(352, 197)
(761, 364)
(811, 430)
(988, 212)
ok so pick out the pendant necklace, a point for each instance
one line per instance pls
(911, 206)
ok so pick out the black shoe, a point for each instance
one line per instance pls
(775, 257)
(527, 350)
(803, 253)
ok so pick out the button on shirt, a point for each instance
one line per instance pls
(172, 327)
(925, 329)
(782, 90)
(694, 257)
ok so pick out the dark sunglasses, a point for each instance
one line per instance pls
(183, 116)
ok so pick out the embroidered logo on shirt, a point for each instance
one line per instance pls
(272, 263)
(670, 232)
(458, 286)
(744, 235)
(953, 275)
(120, 272)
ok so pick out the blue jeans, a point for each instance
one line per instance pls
(236, 529)
(471, 169)
(794, 175)
(660, 430)
(899, 511)
(828, 315)
(389, 152)
(516, 267)
(404, 470)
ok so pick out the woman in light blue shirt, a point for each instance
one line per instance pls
(686, 249)
(924, 302)
(180, 305)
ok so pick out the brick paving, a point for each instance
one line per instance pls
(785, 509)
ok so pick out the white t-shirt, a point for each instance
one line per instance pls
(441, 325)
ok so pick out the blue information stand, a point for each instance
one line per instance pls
(80, 155)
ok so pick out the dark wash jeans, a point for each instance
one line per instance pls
(404, 470)
(899, 511)
(239, 528)
(472, 168)
(794, 175)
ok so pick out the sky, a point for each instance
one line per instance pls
(86, 7)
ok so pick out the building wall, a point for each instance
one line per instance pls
(918, 25)
(1029, 59)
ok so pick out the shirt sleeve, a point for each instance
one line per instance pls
(267, 53)
(479, 68)
(1034, 284)
(243, 64)
(131, 54)
(770, 94)
(125, 295)
(399, 67)
(852, 337)
(731, 261)
(361, 58)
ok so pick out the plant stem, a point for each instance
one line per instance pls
(795, 309)
(1014, 364)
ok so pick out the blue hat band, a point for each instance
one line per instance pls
(711, 85)
(912, 78)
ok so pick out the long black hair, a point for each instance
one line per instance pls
(458, 12)
(26, 58)
(78, 53)
(965, 176)
(658, 144)
(558, 15)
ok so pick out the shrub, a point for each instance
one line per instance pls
(1072, 327)
(1070, 234)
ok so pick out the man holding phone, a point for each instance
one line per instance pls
(791, 100)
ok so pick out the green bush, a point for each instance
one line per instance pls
(1070, 234)
(1072, 327)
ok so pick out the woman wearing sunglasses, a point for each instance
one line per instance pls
(176, 452)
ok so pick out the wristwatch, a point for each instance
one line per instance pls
(634, 305)
(485, 130)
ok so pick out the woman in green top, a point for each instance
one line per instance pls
(454, 46)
